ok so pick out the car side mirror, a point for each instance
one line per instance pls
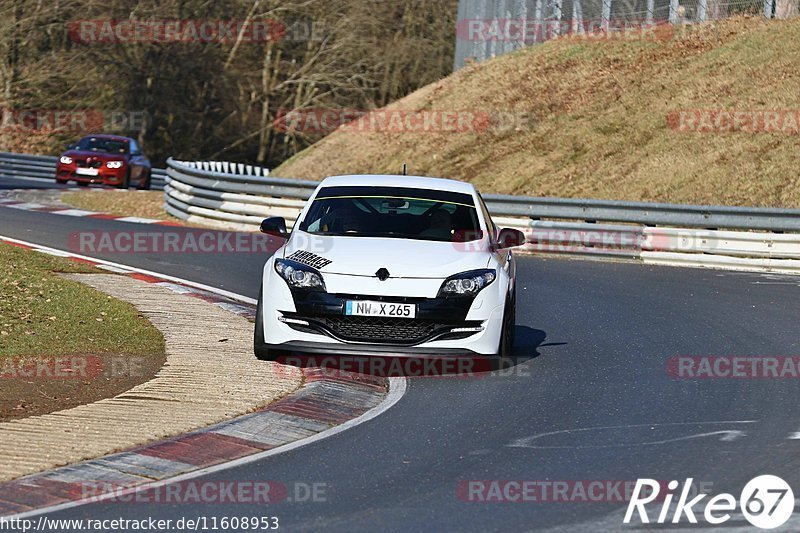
(274, 226)
(510, 238)
(71, 146)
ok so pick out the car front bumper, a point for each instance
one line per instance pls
(106, 176)
(299, 322)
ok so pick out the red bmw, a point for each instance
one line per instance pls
(106, 159)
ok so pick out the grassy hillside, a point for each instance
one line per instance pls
(605, 121)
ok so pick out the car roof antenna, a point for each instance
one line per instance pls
(404, 170)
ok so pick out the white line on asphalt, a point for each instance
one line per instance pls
(27, 206)
(727, 435)
(397, 388)
(53, 252)
(114, 269)
(214, 290)
(73, 212)
(138, 220)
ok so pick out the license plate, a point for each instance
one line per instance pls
(369, 308)
(86, 171)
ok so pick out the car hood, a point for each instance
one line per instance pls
(101, 156)
(403, 258)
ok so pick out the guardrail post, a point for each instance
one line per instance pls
(673, 11)
(606, 15)
(702, 8)
(577, 17)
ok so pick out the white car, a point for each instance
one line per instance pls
(394, 265)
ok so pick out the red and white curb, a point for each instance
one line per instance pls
(325, 405)
(7, 200)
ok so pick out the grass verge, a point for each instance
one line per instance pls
(42, 314)
(145, 204)
(64, 344)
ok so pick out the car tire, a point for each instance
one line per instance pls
(259, 348)
(126, 182)
(82, 183)
(505, 350)
(144, 185)
(61, 181)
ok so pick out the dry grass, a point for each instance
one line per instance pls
(600, 125)
(130, 203)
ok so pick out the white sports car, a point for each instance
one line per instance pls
(393, 265)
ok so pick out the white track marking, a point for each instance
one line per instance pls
(29, 206)
(73, 212)
(53, 252)
(137, 220)
(114, 269)
(727, 435)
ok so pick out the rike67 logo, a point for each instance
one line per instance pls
(766, 502)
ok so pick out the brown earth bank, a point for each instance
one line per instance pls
(702, 114)
(35, 386)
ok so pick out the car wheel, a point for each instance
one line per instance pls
(126, 182)
(82, 183)
(61, 181)
(506, 349)
(262, 352)
(144, 184)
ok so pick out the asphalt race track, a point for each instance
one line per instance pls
(31, 183)
(590, 398)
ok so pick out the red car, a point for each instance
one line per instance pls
(107, 159)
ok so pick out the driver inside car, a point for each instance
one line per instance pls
(441, 225)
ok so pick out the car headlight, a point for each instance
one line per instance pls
(115, 164)
(299, 276)
(65, 160)
(467, 283)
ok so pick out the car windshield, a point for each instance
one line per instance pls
(98, 144)
(392, 212)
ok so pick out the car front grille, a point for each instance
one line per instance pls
(376, 329)
(83, 163)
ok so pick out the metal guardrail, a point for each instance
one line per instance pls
(651, 214)
(212, 178)
(44, 167)
(240, 196)
(237, 196)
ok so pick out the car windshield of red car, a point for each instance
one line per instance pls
(95, 144)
